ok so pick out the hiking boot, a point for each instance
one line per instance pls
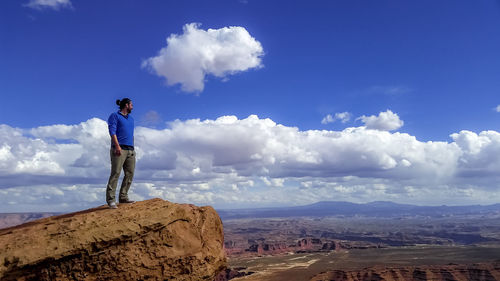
(112, 205)
(127, 201)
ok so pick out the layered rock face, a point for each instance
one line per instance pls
(476, 272)
(147, 240)
(248, 248)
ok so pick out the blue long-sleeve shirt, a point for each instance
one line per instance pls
(122, 127)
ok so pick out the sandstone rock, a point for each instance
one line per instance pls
(148, 240)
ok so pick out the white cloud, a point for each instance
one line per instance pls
(189, 57)
(344, 117)
(246, 162)
(478, 153)
(151, 118)
(385, 121)
(497, 109)
(389, 90)
(51, 4)
(327, 119)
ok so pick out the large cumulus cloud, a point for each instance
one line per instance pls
(250, 161)
(189, 57)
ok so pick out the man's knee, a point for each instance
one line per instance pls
(128, 175)
(115, 173)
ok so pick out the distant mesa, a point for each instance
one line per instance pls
(148, 240)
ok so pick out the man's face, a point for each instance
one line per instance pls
(129, 106)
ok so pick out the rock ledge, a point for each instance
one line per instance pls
(147, 240)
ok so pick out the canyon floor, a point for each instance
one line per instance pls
(304, 266)
(300, 248)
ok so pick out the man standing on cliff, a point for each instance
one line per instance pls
(121, 130)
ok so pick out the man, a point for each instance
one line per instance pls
(121, 130)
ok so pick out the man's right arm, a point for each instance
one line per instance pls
(118, 149)
(112, 124)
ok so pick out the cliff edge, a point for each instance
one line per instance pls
(147, 240)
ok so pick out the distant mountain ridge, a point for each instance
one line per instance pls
(378, 209)
(373, 209)
(11, 219)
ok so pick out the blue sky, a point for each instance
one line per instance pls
(422, 69)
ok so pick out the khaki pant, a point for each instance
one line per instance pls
(126, 160)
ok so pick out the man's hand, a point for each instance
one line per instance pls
(118, 151)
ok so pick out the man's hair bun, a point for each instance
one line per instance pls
(122, 103)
